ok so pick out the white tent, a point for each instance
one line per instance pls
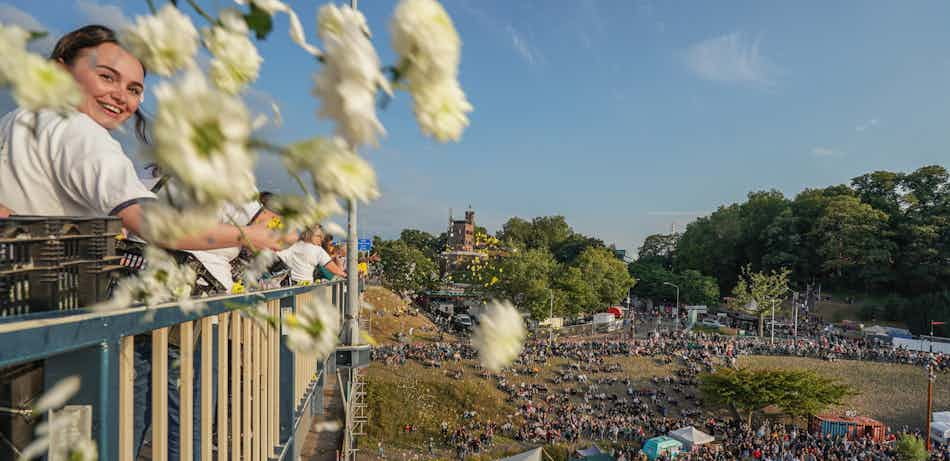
(591, 451)
(943, 416)
(691, 437)
(530, 455)
(941, 431)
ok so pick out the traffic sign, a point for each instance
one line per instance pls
(364, 244)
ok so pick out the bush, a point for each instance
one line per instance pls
(911, 448)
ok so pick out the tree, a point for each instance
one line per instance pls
(696, 288)
(911, 448)
(796, 392)
(567, 251)
(606, 275)
(525, 278)
(405, 269)
(420, 240)
(659, 249)
(757, 292)
(852, 240)
(542, 232)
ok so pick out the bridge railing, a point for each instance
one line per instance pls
(266, 394)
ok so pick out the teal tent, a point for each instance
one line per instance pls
(662, 445)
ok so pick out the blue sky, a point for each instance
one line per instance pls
(627, 116)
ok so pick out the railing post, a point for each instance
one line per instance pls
(108, 410)
(287, 395)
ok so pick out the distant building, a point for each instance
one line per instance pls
(462, 232)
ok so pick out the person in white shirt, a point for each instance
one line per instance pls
(72, 166)
(305, 256)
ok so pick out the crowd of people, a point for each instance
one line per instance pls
(590, 400)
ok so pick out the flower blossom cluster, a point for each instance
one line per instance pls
(36, 83)
(165, 42)
(499, 336)
(314, 328)
(162, 280)
(350, 76)
(236, 61)
(337, 171)
(76, 448)
(201, 137)
(429, 48)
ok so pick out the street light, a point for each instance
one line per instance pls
(677, 308)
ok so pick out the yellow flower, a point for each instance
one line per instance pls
(275, 223)
(237, 288)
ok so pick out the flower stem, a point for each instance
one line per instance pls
(151, 6)
(202, 12)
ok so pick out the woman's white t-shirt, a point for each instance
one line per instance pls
(69, 166)
(303, 258)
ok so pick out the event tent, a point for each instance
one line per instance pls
(662, 445)
(941, 416)
(691, 437)
(530, 455)
(594, 453)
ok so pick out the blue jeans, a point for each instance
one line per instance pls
(143, 396)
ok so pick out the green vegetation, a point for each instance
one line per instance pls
(758, 293)
(910, 448)
(538, 265)
(885, 233)
(798, 393)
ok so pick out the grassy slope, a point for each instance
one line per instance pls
(392, 315)
(894, 394)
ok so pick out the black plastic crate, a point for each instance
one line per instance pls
(32, 241)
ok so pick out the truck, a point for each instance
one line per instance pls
(605, 321)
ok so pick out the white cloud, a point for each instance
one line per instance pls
(867, 125)
(730, 58)
(826, 152)
(107, 15)
(10, 14)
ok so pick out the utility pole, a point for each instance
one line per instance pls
(772, 341)
(551, 318)
(931, 376)
(677, 308)
(795, 305)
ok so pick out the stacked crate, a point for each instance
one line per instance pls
(56, 263)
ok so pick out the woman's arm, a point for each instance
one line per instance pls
(5, 212)
(335, 269)
(220, 236)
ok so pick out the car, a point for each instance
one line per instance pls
(462, 322)
(711, 323)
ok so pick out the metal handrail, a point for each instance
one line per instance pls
(101, 336)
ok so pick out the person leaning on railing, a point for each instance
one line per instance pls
(306, 257)
(55, 164)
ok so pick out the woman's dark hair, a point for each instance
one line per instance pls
(69, 46)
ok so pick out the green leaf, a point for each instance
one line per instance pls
(259, 21)
(36, 35)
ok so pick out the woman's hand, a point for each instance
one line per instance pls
(259, 237)
(5, 212)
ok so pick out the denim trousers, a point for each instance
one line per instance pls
(143, 396)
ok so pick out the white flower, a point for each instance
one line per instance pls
(201, 138)
(162, 280)
(350, 76)
(13, 41)
(57, 395)
(40, 84)
(335, 168)
(314, 328)
(426, 40)
(236, 61)
(296, 28)
(303, 211)
(83, 450)
(166, 225)
(499, 336)
(429, 48)
(441, 109)
(165, 42)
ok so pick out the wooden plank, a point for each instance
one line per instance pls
(236, 386)
(223, 387)
(246, 390)
(256, 371)
(160, 394)
(275, 378)
(186, 391)
(126, 397)
(207, 383)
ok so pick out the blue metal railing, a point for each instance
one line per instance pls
(88, 343)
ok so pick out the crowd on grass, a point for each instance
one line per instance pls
(589, 400)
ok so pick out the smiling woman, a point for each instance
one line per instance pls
(111, 78)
